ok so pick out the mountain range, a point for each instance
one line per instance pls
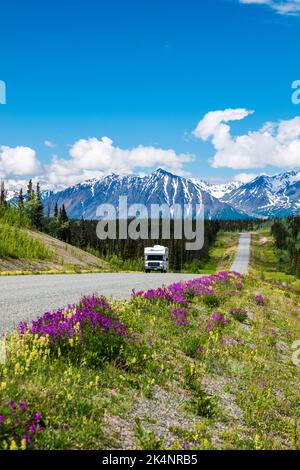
(264, 196)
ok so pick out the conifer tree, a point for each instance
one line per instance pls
(21, 200)
(2, 192)
(56, 211)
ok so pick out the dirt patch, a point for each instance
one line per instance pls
(263, 241)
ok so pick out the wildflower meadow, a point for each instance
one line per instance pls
(202, 364)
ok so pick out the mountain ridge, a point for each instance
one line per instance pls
(264, 196)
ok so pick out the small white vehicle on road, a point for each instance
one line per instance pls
(156, 259)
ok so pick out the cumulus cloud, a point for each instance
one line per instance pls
(92, 158)
(283, 7)
(276, 144)
(18, 161)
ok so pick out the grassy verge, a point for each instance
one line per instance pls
(221, 255)
(180, 377)
(268, 262)
(15, 243)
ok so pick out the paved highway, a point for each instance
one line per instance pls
(242, 257)
(26, 297)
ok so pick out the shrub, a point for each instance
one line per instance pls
(216, 320)
(146, 440)
(19, 425)
(91, 328)
(203, 405)
(260, 299)
(211, 301)
(238, 313)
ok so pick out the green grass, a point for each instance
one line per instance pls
(117, 264)
(269, 262)
(13, 217)
(243, 395)
(15, 243)
(221, 255)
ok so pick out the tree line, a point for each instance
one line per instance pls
(31, 212)
(286, 233)
(82, 233)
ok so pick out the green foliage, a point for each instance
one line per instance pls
(287, 237)
(221, 398)
(146, 440)
(211, 301)
(14, 243)
(203, 405)
(13, 217)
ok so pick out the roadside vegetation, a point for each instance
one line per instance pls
(26, 250)
(220, 256)
(269, 262)
(205, 364)
(14, 242)
(286, 233)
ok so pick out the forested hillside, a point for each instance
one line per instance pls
(287, 238)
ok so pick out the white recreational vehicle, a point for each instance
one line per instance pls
(156, 259)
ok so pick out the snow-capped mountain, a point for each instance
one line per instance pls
(161, 187)
(218, 190)
(264, 196)
(268, 196)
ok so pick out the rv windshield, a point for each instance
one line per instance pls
(154, 257)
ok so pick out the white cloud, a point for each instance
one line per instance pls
(276, 144)
(283, 7)
(49, 144)
(18, 161)
(92, 158)
(245, 177)
(212, 125)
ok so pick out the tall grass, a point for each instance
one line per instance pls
(13, 216)
(17, 244)
(118, 263)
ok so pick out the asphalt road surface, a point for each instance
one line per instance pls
(242, 257)
(26, 297)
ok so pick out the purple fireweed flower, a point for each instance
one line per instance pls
(37, 417)
(227, 341)
(181, 292)
(19, 423)
(32, 428)
(200, 350)
(93, 312)
(179, 315)
(12, 405)
(185, 446)
(239, 313)
(260, 299)
(215, 320)
(22, 405)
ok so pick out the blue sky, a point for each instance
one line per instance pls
(143, 74)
